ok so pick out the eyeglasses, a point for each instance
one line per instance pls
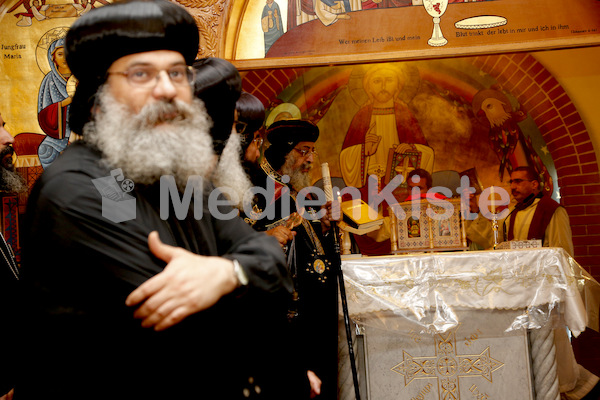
(240, 126)
(307, 151)
(259, 141)
(146, 76)
(518, 181)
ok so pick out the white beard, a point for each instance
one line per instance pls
(298, 179)
(229, 175)
(146, 151)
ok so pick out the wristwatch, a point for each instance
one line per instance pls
(239, 273)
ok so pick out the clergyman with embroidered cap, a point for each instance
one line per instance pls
(313, 312)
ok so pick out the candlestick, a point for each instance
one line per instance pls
(494, 217)
(495, 229)
(430, 225)
(463, 212)
(393, 229)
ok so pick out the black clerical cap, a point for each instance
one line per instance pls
(284, 135)
(105, 34)
(219, 85)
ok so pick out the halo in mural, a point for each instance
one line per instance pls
(283, 111)
(408, 75)
(41, 50)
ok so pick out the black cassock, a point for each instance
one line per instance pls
(314, 314)
(81, 341)
(9, 303)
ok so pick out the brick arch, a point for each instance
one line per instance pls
(567, 141)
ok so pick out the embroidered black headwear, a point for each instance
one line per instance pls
(284, 135)
(105, 34)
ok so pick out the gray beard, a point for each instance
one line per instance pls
(230, 176)
(144, 151)
(11, 181)
(298, 179)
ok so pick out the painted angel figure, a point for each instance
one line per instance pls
(32, 10)
(493, 108)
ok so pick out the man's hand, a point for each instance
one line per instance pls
(473, 203)
(333, 214)
(371, 141)
(282, 234)
(403, 148)
(10, 394)
(66, 101)
(315, 384)
(189, 283)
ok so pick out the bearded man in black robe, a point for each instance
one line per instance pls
(140, 283)
(290, 210)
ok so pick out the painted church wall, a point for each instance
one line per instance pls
(578, 72)
(25, 67)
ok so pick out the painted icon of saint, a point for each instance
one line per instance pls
(54, 98)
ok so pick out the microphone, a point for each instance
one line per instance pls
(527, 201)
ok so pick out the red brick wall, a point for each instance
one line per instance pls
(267, 86)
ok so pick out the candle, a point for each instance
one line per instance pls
(493, 195)
(327, 181)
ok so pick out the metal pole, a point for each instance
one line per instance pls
(337, 264)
